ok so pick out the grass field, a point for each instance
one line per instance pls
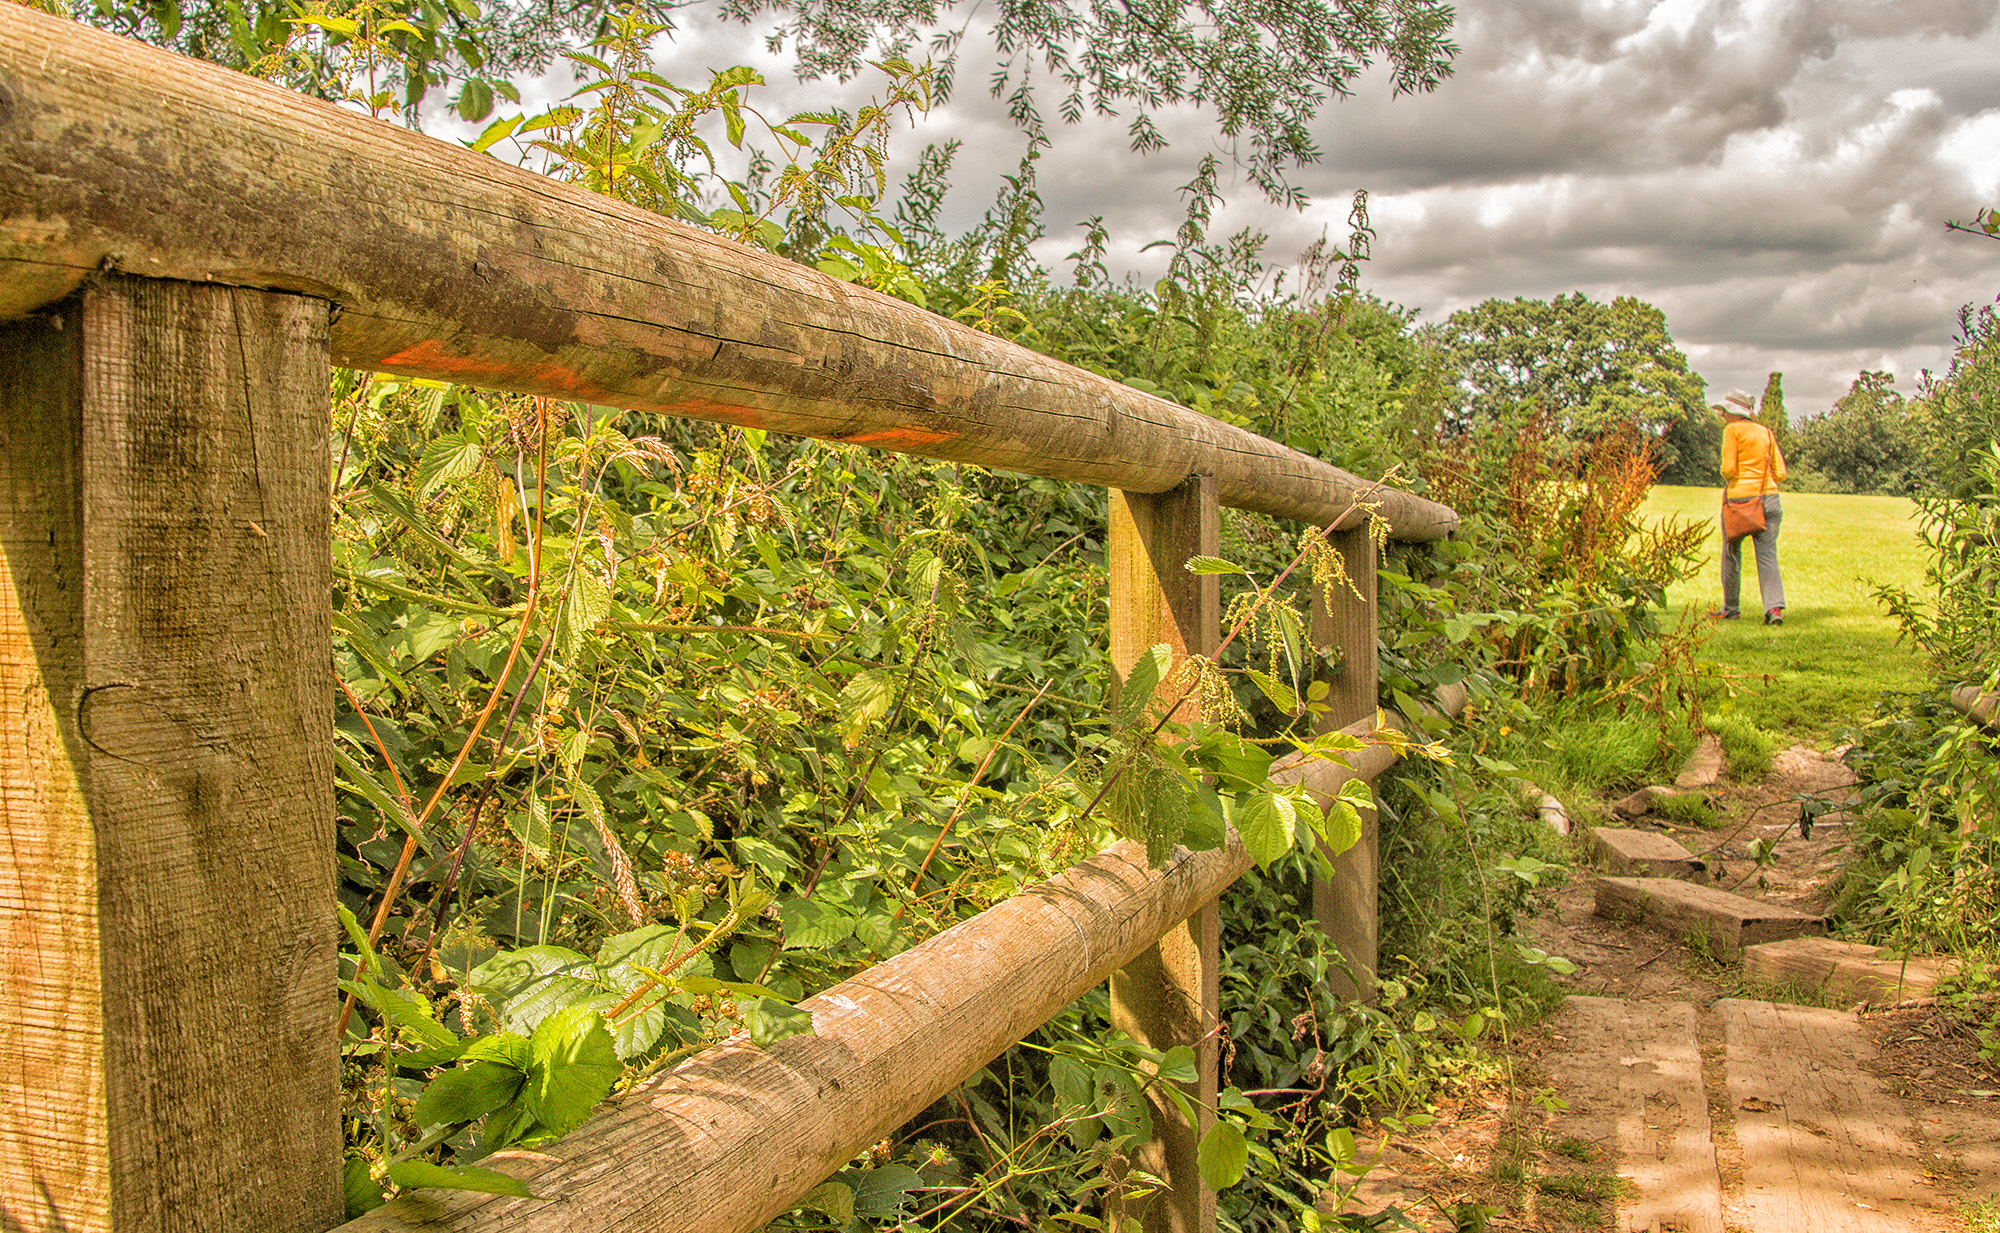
(1822, 669)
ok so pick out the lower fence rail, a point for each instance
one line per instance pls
(736, 1135)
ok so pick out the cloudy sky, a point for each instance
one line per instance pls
(1774, 174)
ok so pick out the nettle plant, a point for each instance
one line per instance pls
(710, 722)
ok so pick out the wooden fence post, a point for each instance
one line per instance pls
(1345, 905)
(1171, 994)
(167, 1059)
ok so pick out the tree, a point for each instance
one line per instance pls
(1771, 412)
(1868, 441)
(1593, 365)
(1263, 71)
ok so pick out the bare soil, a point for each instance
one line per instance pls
(1530, 1160)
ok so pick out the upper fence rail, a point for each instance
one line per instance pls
(453, 265)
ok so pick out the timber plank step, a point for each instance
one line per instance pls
(1842, 971)
(1646, 854)
(1825, 1149)
(1634, 1079)
(1680, 909)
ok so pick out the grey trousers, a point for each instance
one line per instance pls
(1768, 581)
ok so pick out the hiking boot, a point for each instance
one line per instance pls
(1775, 616)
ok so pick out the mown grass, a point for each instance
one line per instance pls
(1837, 650)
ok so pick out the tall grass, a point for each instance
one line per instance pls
(1837, 649)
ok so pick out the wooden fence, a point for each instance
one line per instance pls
(183, 252)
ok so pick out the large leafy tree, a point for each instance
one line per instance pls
(1868, 441)
(1594, 366)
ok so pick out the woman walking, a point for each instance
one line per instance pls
(1752, 468)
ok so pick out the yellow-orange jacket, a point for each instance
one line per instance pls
(1752, 463)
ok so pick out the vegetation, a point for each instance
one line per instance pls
(1594, 367)
(1929, 843)
(1867, 443)
(651, 729)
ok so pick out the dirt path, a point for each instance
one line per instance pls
(1660, 1098)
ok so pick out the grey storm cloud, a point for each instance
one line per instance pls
(1774, 174)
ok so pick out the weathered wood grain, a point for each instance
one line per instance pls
(1842, 971)
(454, 265)
(1646, 854)
(1975, 703)
(1680, 910)
(734, 1136)
(1633, 1080)
(1171, 994)
(1824, 1147)
(167, 880)
(1347, 905)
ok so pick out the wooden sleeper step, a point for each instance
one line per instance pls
(1842, 971)
(1634, 1083)
(1684, 910)
(1645, 854)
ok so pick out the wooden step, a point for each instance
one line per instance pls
(1633, 1080)
(1646, 854)
(1683, 910)
(1841, 971)
(1703, 767)
(1825, 1149)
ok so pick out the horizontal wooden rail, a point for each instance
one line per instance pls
(736, 1135)
(1975, 703)
(453, 265)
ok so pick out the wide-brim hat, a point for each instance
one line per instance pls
(1742, 400)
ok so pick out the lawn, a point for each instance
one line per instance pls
(1837, 650)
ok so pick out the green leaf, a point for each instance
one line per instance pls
(1180, 1066)
(575, 1064)
(1343, 814)
(770, 1021)
(475, 101)
(883, 1192)
(467, 1093)
(406, 1009)
(1139, 685)
(834, 1200)
(412, 1173)
(622, 955)
(1205, 829)
(863, 700)
(1223, 1155)
(813, 926)
(1280, 695)
(448, 459)
(358, 1187)
(1267, 822)
(838, 267)
(506, 1048)
(495, 132)
(1124, 1107)
(1203, 566)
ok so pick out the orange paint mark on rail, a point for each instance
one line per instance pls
(430, 358)
(709, 409)
(898, 438)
